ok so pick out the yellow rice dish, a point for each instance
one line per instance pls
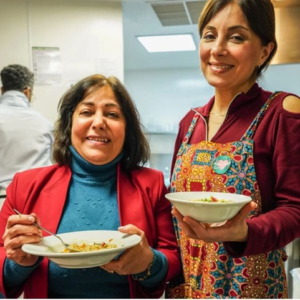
(90, 247)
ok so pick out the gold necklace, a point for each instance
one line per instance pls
(218, 115)
(215, 122)
(213, 113)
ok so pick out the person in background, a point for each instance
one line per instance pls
(258, 132)
(97, 183)
(26, 136)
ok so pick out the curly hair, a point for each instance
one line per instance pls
(136, 150)
(17, 78)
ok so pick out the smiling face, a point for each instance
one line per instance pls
(98, 127)
(230, 51)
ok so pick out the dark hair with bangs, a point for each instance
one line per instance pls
(136, 150)
(260, 16)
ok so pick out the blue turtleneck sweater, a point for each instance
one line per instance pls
(91, 204)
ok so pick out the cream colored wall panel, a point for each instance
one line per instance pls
(86, 32)
(14, 33)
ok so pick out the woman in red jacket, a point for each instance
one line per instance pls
(258, 132)
(97, 184)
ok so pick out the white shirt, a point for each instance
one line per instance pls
(26, 137)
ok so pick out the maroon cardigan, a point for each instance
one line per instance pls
(141, 202)
(276, 160)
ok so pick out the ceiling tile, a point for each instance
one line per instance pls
(171, 14)
(194, 9)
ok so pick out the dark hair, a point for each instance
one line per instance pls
(260, 16)
(136, 150)
(17, 78)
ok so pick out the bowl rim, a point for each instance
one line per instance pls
(133, 240)
(171, 198)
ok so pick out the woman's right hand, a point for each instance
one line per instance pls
(19, 231)
(234, 230)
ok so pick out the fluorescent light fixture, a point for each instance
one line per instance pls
(168, 43)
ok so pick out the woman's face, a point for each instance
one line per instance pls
(230, 51)
(98, 127)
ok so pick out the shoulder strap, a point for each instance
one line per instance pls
(252, 128)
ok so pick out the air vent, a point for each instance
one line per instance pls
(194, 9)
(179, 13)
(171, 14)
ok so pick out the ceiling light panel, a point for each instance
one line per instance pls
(168, 43)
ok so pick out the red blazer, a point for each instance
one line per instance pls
(141, 202)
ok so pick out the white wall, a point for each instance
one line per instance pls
(87, 33)
(282, 78)
(163, 97)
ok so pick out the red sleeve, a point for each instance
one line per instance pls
(280, 224)
(166, 240)
(6, 211)
(142, 203)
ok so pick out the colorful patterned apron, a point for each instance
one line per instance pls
(209, 272)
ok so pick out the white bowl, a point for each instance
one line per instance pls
(52, 248)
(208, 212)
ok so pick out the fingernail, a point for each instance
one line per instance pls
(121, 227)
(31, 218)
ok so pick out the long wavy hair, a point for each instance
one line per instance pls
(136, 150)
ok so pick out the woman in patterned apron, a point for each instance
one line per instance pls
(256, 133)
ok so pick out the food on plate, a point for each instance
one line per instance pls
(84, 247)
(212, 199)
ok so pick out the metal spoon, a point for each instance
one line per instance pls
(68, 246)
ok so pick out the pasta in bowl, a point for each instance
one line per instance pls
(90, 255)
(86, 247)
(208, 207)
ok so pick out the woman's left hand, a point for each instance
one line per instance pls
(134, 260)
(234, 230)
